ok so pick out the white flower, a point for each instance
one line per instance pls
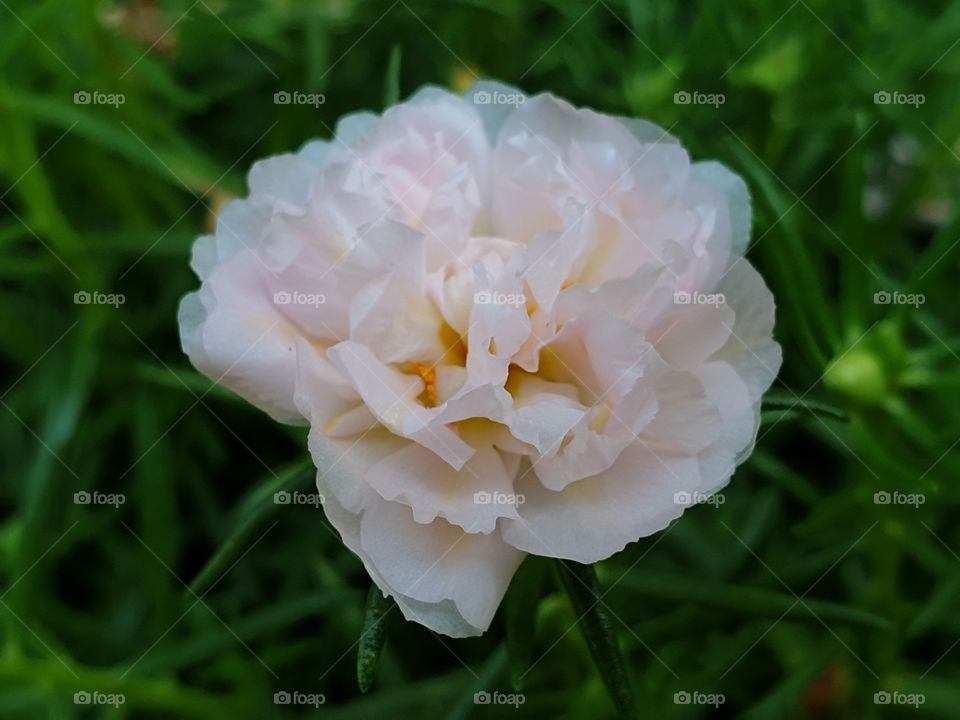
(524, 327)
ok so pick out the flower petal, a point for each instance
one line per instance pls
(473, 498)
(593, 518)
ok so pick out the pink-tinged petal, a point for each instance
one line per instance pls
(499, 324)
(686, 422)
(343, 463)
(557, 257)
(548, 152)
(599, 439)
(390, 312)
(494, 102)
(543, 412)
(737, 197)
(430, 156)
(543, 330)
(689, 335)
(322, 393)
(392, 398)
(440, 576)
(286, 179)
(593, 518)
(233, 334)
(473, 497)
(599, 353)
(751, 349)
(325, 398)
(741, 419)
(438, 562)
(442, 617)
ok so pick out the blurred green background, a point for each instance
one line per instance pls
(801, 596)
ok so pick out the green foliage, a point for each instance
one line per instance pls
(801, 595)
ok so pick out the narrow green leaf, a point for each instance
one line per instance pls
(520, 606)
(207, 644)
(391, 83)
(775, 400)
(372, 636)
(583, 589)
(938, 258)
(483, 681)
(252, 513)
(746, 601)
(939, 607)
(800, 283)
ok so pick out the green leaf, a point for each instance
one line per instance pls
(372, 636)
(205, 646)
(939, 607)
(746, 601)
(938, 258)
(593, 619)
(775, 400)
(520, 606)
(774, 71)
(251, 514)
(483, 680)
(391, 83)
(802, 286)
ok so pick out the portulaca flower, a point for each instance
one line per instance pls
(512, 325)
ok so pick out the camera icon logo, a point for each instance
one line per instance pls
(81, 98)
(281, 97)
(282, 297)
(481, 698)
(81, 698)
(481, 97)
(882, 97)
(682, 97)
(81, 498)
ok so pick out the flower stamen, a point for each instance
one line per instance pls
(428, 373)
